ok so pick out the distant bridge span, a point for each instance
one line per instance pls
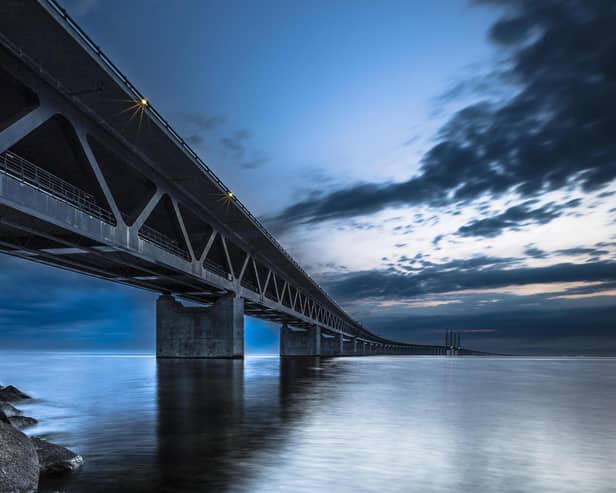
(94, 180)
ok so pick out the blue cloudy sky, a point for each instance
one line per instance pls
(435, 165)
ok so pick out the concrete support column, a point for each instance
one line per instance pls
(348, 347)
(330, 345)
(200, 332)
(300, 342)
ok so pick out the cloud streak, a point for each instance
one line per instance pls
(460, 275)
(516, 217)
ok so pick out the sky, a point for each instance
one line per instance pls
(436, 166)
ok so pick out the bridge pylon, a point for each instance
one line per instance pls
(300, 341)
(216, 331)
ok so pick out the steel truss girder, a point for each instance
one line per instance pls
(193, 273)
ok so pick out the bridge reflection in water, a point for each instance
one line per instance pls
(210, 424)
(214, 421)
(385, 424)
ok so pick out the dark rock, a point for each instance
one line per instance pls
(21, 422)
(12, 394)
(54, 459)
(19, 465)
(3, 417)
(8, 409)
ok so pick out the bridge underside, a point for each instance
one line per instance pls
(93, 181)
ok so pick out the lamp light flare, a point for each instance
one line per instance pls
(143, 102)
(230, 195)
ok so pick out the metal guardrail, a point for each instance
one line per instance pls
(163, 241)
(156, 116)
(216, 269)
(26, 172)
(29, 173)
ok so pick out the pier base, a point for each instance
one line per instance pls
(331, 344)
(300, 342)
(348, 347)
(199, 332)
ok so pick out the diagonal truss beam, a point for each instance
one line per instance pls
(24, 126)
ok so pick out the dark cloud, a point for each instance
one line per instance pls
(255, 162)
(204, 129)
(534, 252)
(555, 130)
(515, 218)
(200, 125)
(353, 225)
(581, 251)
(237, 145)
(458, 275)
(203, 121)
(436, 240)
(236, 142)
(475, 80)
(493, 320)
(195, 139)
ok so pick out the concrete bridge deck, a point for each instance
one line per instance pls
(93, 179)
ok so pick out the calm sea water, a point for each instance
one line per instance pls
(382, 424)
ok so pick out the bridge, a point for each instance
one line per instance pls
(93, 179)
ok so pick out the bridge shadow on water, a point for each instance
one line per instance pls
(210, 421)
(214, 421)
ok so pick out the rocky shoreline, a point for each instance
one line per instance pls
(23, 460)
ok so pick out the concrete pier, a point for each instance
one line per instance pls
(330, 344)
(300, 342)
(348, 346)
(197, 332)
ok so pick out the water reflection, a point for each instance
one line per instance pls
(200, 413)
(211, 423)
(386, 424)
(212, 417)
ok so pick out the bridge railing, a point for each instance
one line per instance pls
(27, 172)
(163, 241)
(216, 269)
